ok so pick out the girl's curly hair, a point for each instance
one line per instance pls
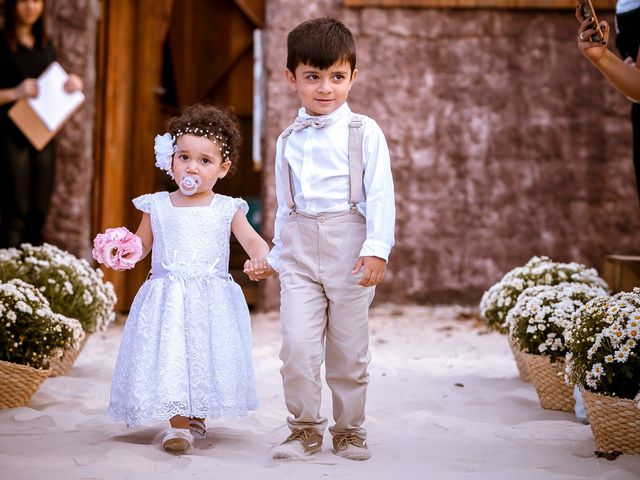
(213, 120)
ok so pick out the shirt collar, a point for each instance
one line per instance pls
(343, 111)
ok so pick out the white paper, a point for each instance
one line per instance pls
(53, 105)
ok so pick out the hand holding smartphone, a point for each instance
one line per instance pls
(586, 7)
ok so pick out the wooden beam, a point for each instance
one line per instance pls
(153, 19)
(499, 4)
(227, 69)
(114, 123)
(253, 9)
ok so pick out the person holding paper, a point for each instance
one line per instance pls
(26, 185)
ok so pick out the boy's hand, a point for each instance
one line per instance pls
(258, 268)
(374, 269)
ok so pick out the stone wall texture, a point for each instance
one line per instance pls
(72, 25)
(505, 142)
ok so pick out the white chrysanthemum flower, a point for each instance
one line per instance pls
(621, 356)
(23, 307)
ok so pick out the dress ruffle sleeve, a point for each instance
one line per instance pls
(143, 202)
(239, 203)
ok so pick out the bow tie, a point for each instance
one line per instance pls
(302, 123)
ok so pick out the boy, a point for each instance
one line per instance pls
(332, 237)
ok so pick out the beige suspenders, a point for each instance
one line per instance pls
(356, 131)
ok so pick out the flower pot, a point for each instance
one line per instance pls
(615, 422)
(523, 371)
(62, 366)
(548, 378)
(18, 383)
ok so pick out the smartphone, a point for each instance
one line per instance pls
(589, 12)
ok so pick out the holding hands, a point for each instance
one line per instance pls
(117, 248)
(258, 268)
(373, 270)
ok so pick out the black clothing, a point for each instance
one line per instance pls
(26, 175)
(628, 43)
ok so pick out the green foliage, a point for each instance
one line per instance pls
(604, 355)
(503, 295)
(72, 287)
(30, 332)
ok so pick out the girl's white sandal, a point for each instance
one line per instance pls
(197, 428)
(177, 440)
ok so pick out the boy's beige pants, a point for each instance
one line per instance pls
(324, 316)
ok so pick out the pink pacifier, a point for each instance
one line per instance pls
(189, 183)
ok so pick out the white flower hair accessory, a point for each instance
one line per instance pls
(164, 149)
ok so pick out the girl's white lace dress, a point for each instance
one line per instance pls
(186, 348)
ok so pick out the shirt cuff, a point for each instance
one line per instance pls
(375, 248)
(274, 261)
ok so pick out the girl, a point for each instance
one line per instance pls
(27, 185)
(186, 350)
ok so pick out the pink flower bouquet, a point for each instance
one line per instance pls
(117, 248)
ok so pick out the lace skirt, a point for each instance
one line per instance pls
(186, 350)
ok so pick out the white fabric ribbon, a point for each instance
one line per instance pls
(179, 271)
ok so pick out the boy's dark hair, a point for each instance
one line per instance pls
(320, 42)
(209, 122)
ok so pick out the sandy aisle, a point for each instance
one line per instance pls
(421, 424)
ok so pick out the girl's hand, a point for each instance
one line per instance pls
(594, 51)
(374, 270)
(27, 88)
(73, 84)
(258, 268)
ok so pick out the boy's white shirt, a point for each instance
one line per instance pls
(318, 158)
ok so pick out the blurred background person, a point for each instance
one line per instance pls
(27, 175)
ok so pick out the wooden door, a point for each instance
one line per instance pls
(156, 57)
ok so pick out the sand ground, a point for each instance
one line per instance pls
(445, 402)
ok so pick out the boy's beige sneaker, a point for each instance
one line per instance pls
(350, 446)
(299, 445)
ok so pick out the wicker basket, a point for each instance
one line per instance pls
(548, 379)
(523, 371)
(615, 422)
(18, 383)
(62, 366)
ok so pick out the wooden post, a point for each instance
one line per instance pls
(129, 72)
(621, 272)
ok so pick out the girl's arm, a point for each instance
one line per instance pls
(146, 234)
(254, 245)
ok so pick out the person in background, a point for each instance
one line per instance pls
(627, 43)
(623, 76)
(26, 185)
